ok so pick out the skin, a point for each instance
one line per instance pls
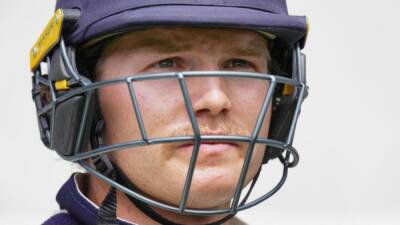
(223, 106)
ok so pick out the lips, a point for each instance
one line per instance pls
(210, 148)
(220, 149)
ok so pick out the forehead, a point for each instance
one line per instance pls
(183, 38)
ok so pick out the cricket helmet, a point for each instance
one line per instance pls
(65, 96)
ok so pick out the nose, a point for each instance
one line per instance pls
(212, 97)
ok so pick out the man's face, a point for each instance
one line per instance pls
(222, 106)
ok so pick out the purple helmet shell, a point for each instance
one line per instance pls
(102, 17)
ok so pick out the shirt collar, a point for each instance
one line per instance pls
(70, 198)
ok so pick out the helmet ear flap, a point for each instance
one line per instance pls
(282, 118)
(73, 120)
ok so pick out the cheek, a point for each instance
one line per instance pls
(119, 116)
(161, 105)
(248, 99)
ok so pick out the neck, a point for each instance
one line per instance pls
(96, 190)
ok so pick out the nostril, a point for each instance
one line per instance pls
(201, 112)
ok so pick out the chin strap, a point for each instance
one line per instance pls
(107, 214)
(107, 211)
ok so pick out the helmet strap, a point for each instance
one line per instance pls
(107, 214)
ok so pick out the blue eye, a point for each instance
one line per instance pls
(238, 63)
(166, 63)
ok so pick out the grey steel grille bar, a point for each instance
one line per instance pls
(300, 64)
(137, 143)
(270, 193)
(196, 146)
(136, 107)
(41, 80)
(103, 150)
(43, 123)
(145, 77)
(51, 87)
(188, 211)
(53, 100)
(296, 116)
(250, 149)
(82, 126)
(300, 98)
(44, 109)
(68, 64)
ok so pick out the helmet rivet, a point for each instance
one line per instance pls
(34, 51)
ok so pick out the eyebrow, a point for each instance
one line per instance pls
(249, 51)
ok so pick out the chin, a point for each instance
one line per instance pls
(212, 188)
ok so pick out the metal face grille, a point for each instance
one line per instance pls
(47, 114)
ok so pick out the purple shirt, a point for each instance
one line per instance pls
(77, 208)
